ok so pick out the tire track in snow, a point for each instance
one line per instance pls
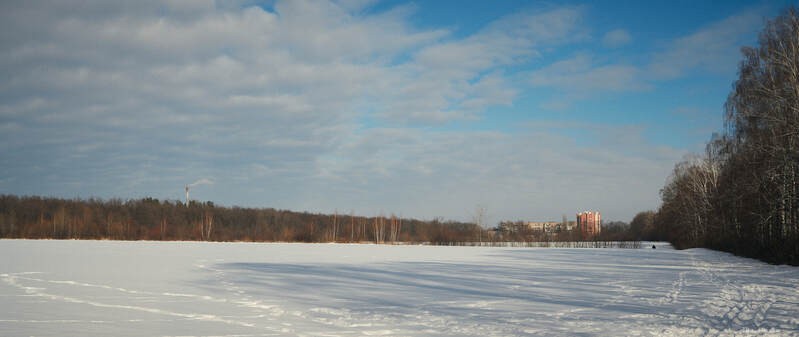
(716, 297)
(736, 305)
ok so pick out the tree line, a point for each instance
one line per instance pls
(742, 195)
(153, 219)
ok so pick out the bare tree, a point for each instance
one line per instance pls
(162, 228)
(379, 227)
(395, 228)
(352, 226)
(763, 126)
(642, 227)
(332, 235)
(743, 194)
(206, 225)
(479, 221)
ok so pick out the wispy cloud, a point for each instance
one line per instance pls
(446, 81)
(580, 77)
(616, 38)
(713, 48)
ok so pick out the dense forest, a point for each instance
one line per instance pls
(152, 219)
(742, 194)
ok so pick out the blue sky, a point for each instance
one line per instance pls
(529, 109)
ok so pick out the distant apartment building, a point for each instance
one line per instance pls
(589, 224)
(548, 226)
(537, 226)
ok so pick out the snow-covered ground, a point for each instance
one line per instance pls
(104, 288)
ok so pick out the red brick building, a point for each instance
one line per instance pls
(589, 224)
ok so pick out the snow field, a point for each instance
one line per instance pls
(107, 288)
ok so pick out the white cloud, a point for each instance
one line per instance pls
(616, 38)
(437, 84)
(712, 48)
(580, 77)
